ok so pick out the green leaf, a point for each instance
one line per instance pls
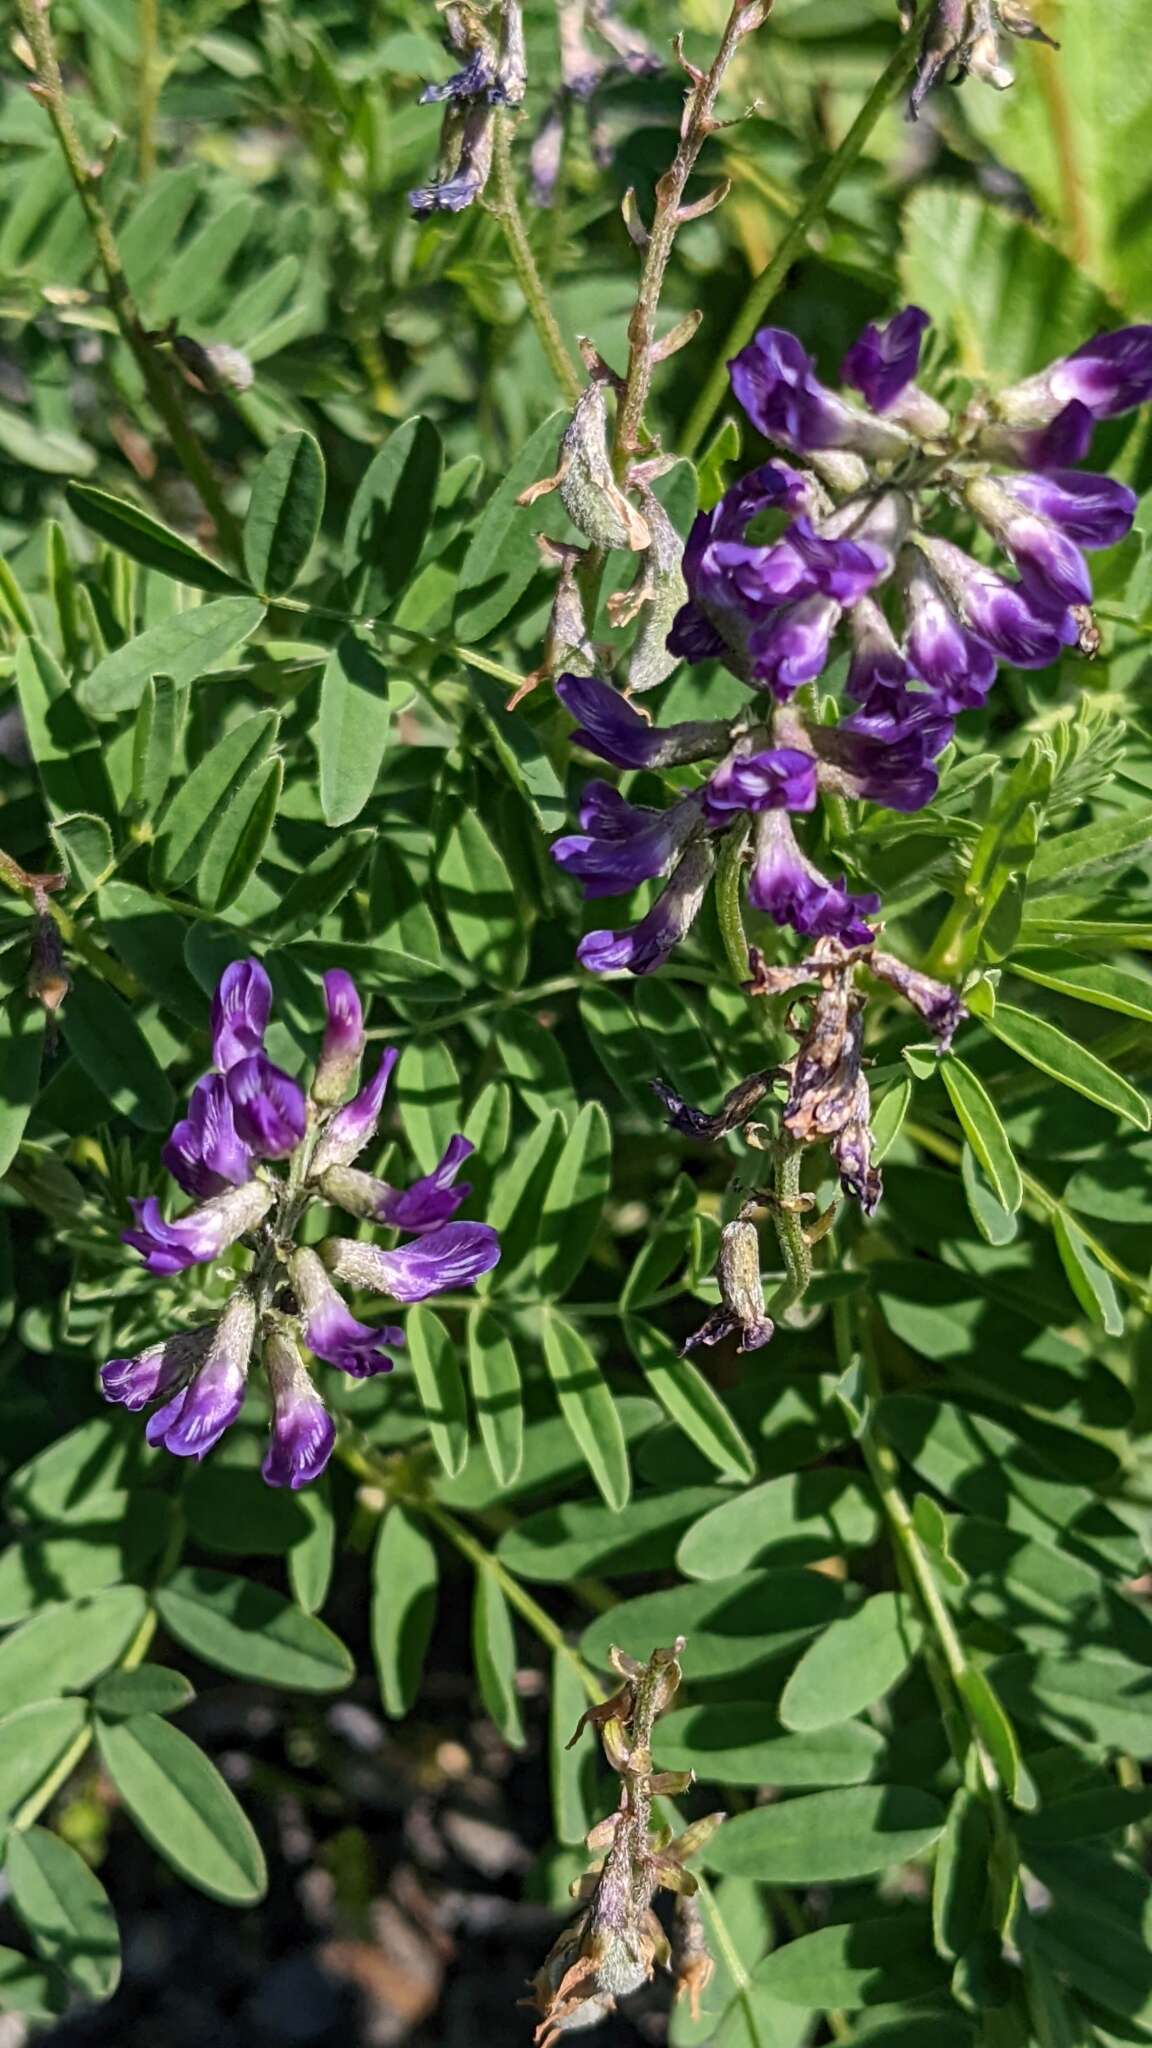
(690, 1400)
(440, 1385)
(888, 1117)
(619, 1044)
(741, 1743)
(828, 1837)
(1012, 301)
(150, 938)
(960, 1879)
(722, 450)
(574, 1202)
(494, 1655)
(194, 814)
(984, 1131)
(502, 557)
(66, 1910)
(1085, 1816)
(252, 1631)
(428, 1085)
(1090, 981)
(1090, 1282)
(572, 1764)
(101, 1456)
(391, 513)
(22, 1027)
(32, 1742)
(352, 729)
(576, 1539)
(854, 1663)
(311, 1558)
(52, 453)
(405, 1581)
(860, 1962)
(145, 540)
(484, 909)
(66, 1645)
(795, 1519)
(1105, 1701)
(284, 513)
(181, 1805)
(994, 1222)
(147, 1689)
(322, 886)
(35, 1994)
(68, 755)
(86, 849)
(105, 1038)
(588, 1408)
(235, 848)
(183, 647)
(515, 1205)
(496, 1395)
(1047, 1048)
(159, 727)
(1096, 850)
(732, 1625)
(521, 751)
(532, 1061)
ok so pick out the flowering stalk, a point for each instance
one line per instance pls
(244, 1116)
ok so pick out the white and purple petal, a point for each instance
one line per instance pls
(241, 1007)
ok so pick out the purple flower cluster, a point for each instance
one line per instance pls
(793, 556)
(243, 1116)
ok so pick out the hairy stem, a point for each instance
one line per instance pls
(699, 122)
(786, 1216)
(764, 288)
(506, 207)
(165, 393)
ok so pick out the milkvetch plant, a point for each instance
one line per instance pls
(574, 838)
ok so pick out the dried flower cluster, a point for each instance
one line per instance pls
(615, 1944)
(244, 1119)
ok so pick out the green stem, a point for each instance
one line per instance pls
(729, 869)
(560, 984)
(517, 1596)
(506, 207)
(160, 380)
(795, 1250)
(764, 288)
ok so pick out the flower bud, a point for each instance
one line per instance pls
(197, 1417)
(343, 1040)
(354, 1126)
(303, 1432)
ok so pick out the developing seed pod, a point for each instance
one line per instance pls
(741, 1292)
(658, 592)
(589, 492)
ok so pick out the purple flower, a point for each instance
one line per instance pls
(331, 1331)
(1093, 510)
(886, 756)
(791, 647)
(693, 637)
(648, 944)
(474, 81)
(271, 1110)
(354, 1126)
(200, 1235)
(1110, 374)
(1008, 617)
(623, 844)
(959, 668)
(878, 671)
(776, 383)
(240, 1011)
(452, 1256)
(134, 1382)
(343, 1039)
(425, 1205)
(786, 885)
(197, 1417)
(303, 1432)
(1049, 561)
(1065, 439)
(609, 726)
(470, 175)
(779, 778)
(205, 1152)
(885, 359)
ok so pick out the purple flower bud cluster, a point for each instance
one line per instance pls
(493, 74)
(837, 546)
(243, 1118)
